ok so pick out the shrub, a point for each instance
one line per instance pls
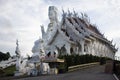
(62, 68)
(72, 60)
(9, 71)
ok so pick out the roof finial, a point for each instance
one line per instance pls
(69, 13)
(75, 14)
(114, 44)
(63, 10)
(17, 42)
(64, 13)
(111, 41)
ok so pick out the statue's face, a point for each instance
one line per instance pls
(51, 15)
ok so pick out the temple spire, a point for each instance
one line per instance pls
(17, 51)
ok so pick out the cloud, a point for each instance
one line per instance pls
(22, 19)
(7, 35)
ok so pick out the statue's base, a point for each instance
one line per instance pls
(53, 63)
(33, 72)
(53, 71)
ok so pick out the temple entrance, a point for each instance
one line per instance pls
(61, 51)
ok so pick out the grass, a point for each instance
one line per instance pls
(9, 71)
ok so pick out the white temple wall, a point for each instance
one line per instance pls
(102, 49)
(59, 42)
(94, 47)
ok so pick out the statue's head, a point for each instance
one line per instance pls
(52, 14)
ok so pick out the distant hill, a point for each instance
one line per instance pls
(4, 56)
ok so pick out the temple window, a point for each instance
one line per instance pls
(49, 54)
(71, 50)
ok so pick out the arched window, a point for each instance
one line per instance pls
(79, 47)
(61, 51)
(71, 50)
(49, 54)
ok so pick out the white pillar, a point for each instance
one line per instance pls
(82, 46)
(67, 47)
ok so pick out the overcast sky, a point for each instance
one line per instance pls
(21, 19)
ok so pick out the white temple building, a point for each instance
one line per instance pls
(73, 35)
(69, 36)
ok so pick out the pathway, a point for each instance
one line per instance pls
(93, 73)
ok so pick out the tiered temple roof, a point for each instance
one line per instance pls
(73, 26)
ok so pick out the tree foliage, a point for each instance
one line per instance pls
(4, 56)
